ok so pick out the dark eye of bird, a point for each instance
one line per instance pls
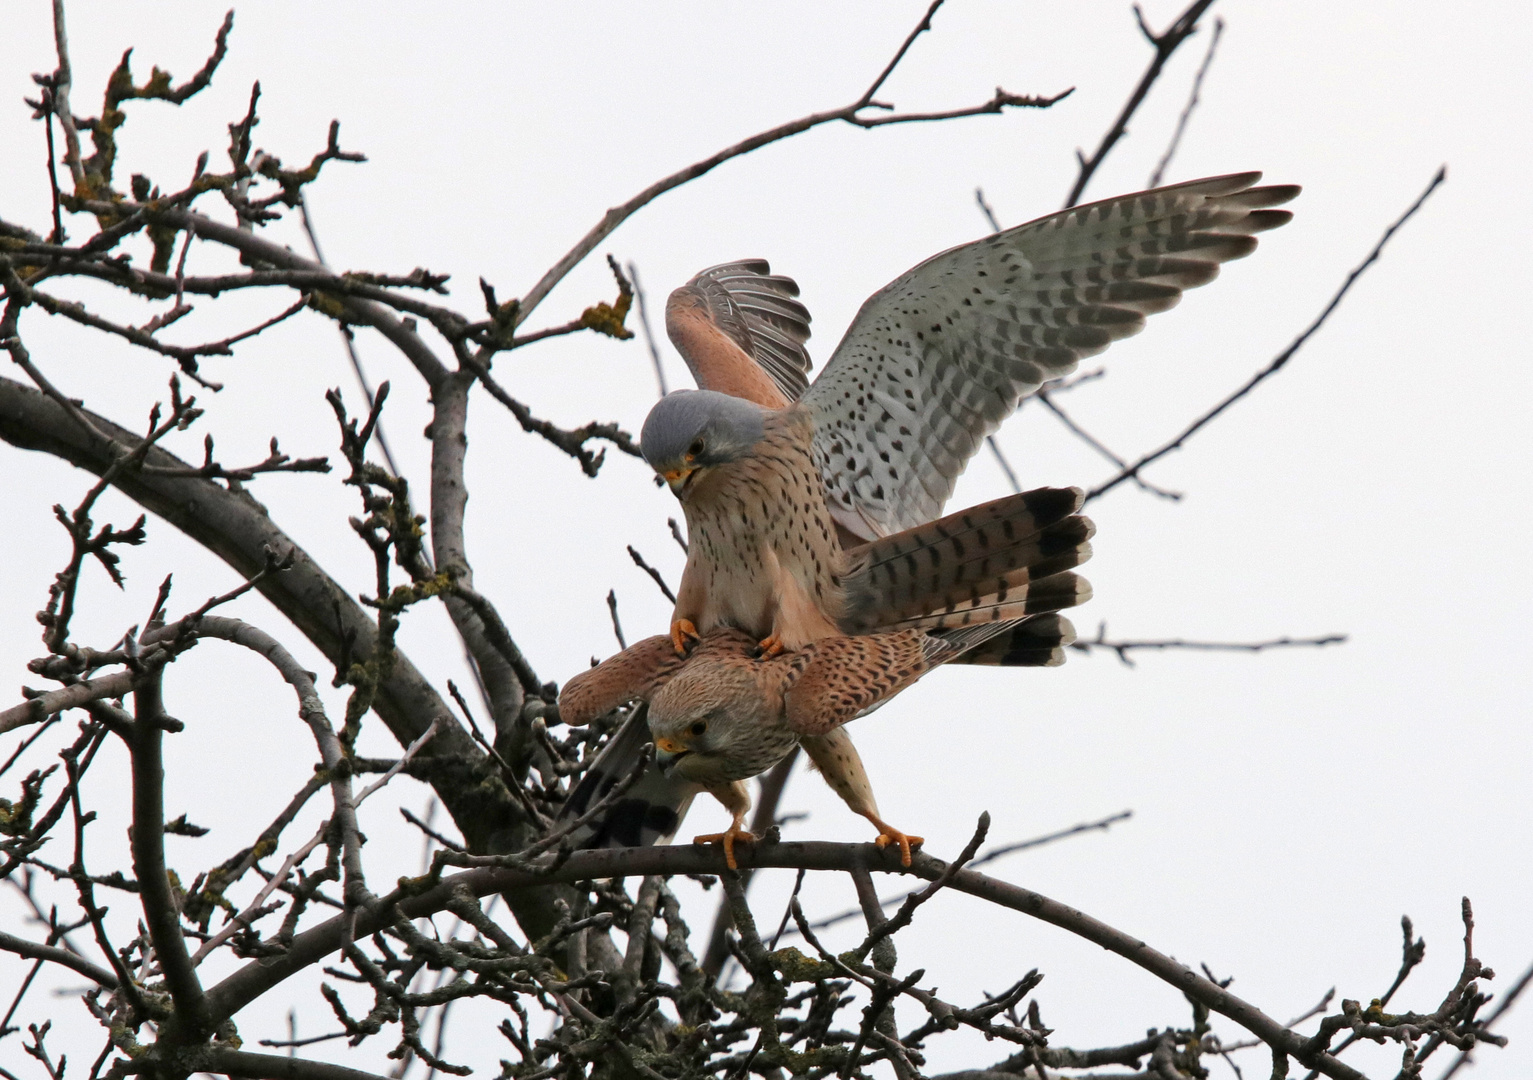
(696, 447)
(699, 727)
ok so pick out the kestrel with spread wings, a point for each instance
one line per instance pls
(809, 507)
(722, 714)
(780, 478)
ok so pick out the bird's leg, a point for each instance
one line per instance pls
(838, 761)
(736, 798)
(769, 646)
(683, 634)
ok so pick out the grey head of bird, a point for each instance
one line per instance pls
(689, 432)
(712, 724)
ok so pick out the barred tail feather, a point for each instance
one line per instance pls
(960, 560)
(1047, 595)
(1039, 641)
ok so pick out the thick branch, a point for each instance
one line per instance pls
(234, 527)
(449, 500)
(34, 950)
(265, 1066)
(256, 978)
(56, 701)
(147, 836)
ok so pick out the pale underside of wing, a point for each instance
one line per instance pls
(759, 312)
(936, 360)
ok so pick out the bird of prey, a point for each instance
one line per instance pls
(780, 478)
(722, 714)
(937, 587)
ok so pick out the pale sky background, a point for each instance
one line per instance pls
(1288, 807)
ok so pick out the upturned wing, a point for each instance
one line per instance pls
(735, 317)
(936, 359)
(631, 675)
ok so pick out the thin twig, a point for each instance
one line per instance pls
(617, 627)
(1192, 103)
(649, 334)
(1506, 1002)
(1000, 459)
(1283, 357)
(681, 541)
(1091, 440)
(848, 114)
(638, 560)
(346, 335)
(1165, 43)
(1123, 648)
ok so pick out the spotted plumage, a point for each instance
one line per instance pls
(810, 507)
(936, 359)
(724, 715)
(932, 363)
(762, 549)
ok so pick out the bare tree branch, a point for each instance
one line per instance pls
(1164, 43)
(1192, 103)
(35, 950)
(851, 114)
(256, 978)
(1123, 648)
(1282, 358)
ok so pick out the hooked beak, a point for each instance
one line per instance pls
(667, 753)
(679, 479)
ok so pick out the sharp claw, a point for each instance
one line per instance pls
(683, 633)
(770, 646)
(727, 840)
(890, 835)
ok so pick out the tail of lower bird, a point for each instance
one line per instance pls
(648, 812)
(1039, 641)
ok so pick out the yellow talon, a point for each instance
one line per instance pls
(683, 634)
(770, 646)
(888, 834)
(727, 838)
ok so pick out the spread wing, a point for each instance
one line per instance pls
(757, 312)
(936, 359)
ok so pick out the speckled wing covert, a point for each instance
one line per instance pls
(760, 313)
(936, 359)
(838, 679)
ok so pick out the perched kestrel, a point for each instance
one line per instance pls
(722, 714)
(937, 585)
(777, 476)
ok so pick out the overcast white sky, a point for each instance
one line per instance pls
(1288, 807)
